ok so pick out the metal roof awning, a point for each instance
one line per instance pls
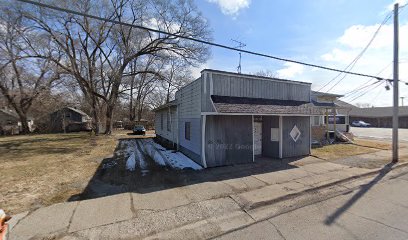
(259, 106)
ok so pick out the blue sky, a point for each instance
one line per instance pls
(329, 33)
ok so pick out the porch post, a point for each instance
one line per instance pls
(204, 118)
(280, 137)
(327, 125)
(253, 139)
(335, 120)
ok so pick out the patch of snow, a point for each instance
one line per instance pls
(177, 160)
(154, 154)
(131, 163)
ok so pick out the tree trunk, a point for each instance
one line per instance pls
(95, 116)
(24, 124)
(131, 109)
(108, 122)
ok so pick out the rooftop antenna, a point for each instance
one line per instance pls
(241, 45)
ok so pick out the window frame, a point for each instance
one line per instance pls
(187, 130)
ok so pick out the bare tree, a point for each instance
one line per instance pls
(179, 17)
(265, 73)
(99, 54)
(23, 78)
(79, 41)
(175, 76)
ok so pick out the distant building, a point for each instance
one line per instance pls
(10, 122)
(334, 115)
(69, 119)
(379, 116)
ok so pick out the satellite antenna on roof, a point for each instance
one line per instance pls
(240, 46)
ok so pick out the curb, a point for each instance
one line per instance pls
(296, 194)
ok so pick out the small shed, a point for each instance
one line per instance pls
(69, 119)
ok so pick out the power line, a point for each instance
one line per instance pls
(355, 60)
(195, 39)
(369, 80)
(367, 91)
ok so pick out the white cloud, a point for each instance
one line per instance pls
(231, 7)
(291, 70)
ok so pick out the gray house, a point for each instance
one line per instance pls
(224, 118)
(69, 119)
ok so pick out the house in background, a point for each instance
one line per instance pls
(334, 115)
(69, 119)
(10, 122)
(225, 118)
(379, 116)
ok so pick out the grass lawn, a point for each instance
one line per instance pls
(40, 170)
(360, 146)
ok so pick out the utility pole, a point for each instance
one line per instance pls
(396, 98)
(402, 101)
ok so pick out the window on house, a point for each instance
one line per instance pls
(168, 121)
(187, 130)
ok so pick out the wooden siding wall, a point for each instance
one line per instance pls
(302, 146)
(189, 107)
(207, 83)
(224, 144)
(164, 133)
(269, 148)
(225, 85)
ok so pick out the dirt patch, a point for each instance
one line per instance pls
(40, 170)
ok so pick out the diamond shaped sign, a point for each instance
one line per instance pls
(295, 133)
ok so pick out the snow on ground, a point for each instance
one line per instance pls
(131, 162)
(176, 160)
(160, 155)
(153, 153)
(135, 157)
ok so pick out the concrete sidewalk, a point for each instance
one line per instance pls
(200, 210)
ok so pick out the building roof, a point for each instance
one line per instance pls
(377, 112)
(344, 104)
(262, 106)
(323, 104)
(316, 93)
(10, 113)
(169, 104)
(254, 76)
(78, 111)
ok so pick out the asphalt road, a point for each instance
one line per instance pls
(375, 211)
(379, 133)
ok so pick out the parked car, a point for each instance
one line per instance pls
(139, 130)
(360, 124)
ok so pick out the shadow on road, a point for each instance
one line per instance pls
(112, 177)
(363, 190)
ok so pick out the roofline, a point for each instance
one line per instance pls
(255, 76)
(169, 104)
(327, 94)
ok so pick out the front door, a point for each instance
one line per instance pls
(270, 136)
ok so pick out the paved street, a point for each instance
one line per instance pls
(379, 133)
(375, 211)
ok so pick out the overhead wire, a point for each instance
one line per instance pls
(44, 5)
(355, 60)
(369, 80)
(367, 91)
